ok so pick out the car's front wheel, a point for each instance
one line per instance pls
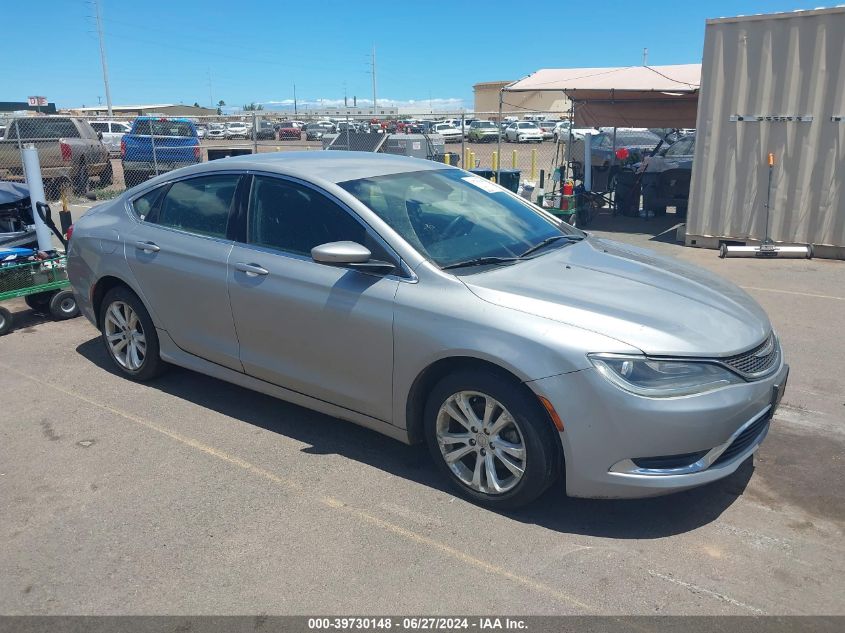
(491, 438)
(129, 335)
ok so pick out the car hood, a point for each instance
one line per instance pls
(657, 304)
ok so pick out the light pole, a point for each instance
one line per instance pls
(103, 56)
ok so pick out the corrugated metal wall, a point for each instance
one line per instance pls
(776, 65)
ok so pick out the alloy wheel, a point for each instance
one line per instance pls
(481, 442)
(125, 336)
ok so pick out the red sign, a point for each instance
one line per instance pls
(37, 101)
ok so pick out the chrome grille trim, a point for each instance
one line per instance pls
(757, 362)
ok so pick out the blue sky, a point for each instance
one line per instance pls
(255, 51)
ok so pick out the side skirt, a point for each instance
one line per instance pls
(171, 353)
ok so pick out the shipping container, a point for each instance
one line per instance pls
(771, 84)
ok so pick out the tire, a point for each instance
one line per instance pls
(6, 321)
(529, 428)
(63, 306)
(107, 175)
(82, 180)
(146, 364)
(39, 302)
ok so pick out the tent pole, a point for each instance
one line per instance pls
(499, 136)
(565, 171)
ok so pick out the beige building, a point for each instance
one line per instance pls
(487, 100)
(168, 109)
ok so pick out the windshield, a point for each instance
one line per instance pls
(163, 128)
(636, 138)
(452, 216)
(485, 124)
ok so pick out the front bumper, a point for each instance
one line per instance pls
(606, 429)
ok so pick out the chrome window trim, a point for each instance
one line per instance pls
(134, 216)
(628, 467)
(407, 275)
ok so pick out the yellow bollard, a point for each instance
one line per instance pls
(495, 161)
(513, 160)
(533, 165)
(468, 159)
(472, 160)
(447, 158)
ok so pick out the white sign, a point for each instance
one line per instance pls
(483, 184)
(37, 101)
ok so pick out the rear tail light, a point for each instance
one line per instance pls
(197, 152)
(122, 148)
(69, 232)
(67, 154)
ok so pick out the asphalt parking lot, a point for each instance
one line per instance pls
(189, 495)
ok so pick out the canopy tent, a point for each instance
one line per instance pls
(632, 96)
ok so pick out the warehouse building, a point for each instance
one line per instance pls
(167, 109)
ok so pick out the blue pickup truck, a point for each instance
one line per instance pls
(156, 145)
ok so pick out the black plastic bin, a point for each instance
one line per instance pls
(509, 179)
(487, 174)
(627, 193)
(454, 158)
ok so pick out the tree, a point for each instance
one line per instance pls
(251, 107)
(221, 103)
(196, 104)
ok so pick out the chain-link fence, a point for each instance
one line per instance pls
(103, 156)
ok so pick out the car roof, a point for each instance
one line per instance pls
(326, 166)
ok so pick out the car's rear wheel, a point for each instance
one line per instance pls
(489, 436)
(129, 335)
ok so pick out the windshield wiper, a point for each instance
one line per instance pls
(550, 240)
(481, 261)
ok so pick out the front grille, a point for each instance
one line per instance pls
(744, 440)
(756, 362)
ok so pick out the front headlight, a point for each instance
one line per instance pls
(662, 378)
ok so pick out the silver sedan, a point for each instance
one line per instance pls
(432, 305)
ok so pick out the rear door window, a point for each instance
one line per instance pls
(198, 205)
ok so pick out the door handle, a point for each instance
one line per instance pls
(147, 247)
(251, 270)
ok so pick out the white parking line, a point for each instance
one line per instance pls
(794, 292)
(329, 502)
(713, 594)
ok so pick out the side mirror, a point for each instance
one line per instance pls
(349, 254)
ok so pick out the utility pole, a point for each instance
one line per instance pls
(375, 101)
(294, 99)
(103, 56)
(645, 57)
